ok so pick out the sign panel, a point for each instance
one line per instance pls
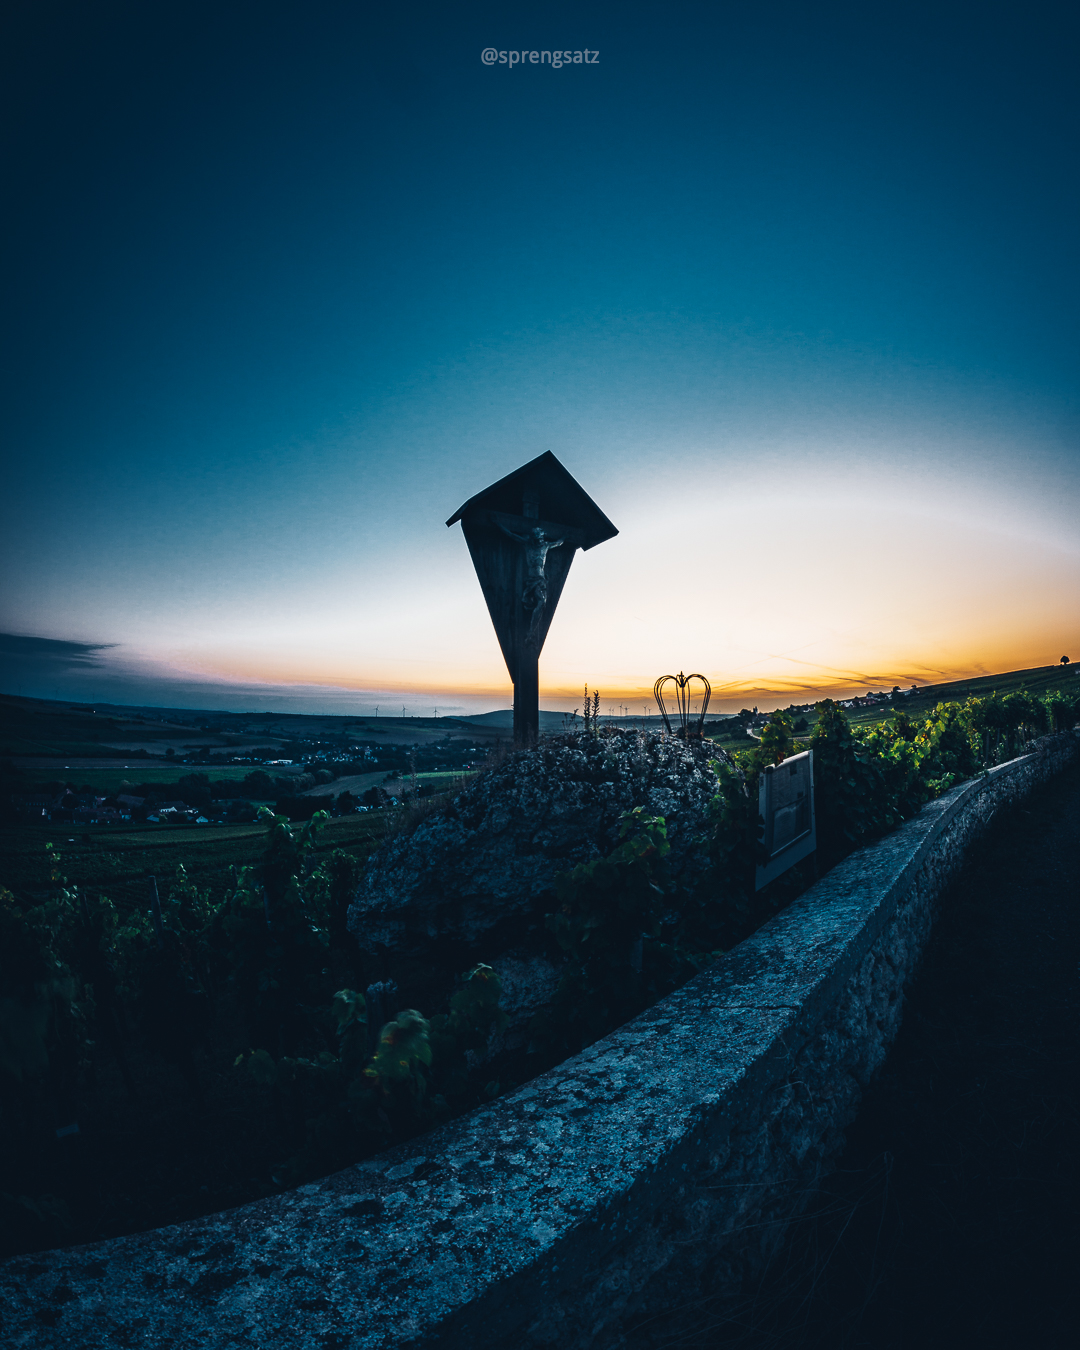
(786, 804)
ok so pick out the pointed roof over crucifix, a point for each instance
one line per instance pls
(557, 495)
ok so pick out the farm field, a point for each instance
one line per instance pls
(108, 776)
(44, 728)
(737, 742)
(118, 861)
(358, 783)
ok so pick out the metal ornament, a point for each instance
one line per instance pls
(686, 729)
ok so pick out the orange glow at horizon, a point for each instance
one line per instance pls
(776, 596)
(839, 595)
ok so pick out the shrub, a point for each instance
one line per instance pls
(629, 934)
(336, 1105)
(733, 841)
(851, 797)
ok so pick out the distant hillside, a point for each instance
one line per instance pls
(504, 718)
(44, 728)
(33, 727)
(49, 729)
(1037, 680)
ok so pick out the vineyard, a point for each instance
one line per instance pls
(172, 1046)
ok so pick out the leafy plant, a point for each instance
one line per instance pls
(31, 980)
(852, 801)
(268, 941)
(868, 782)
(1062, 711)
(329, 891)
(475, 1017)
(733, 842)
(404, 1050)
(333, 1105)
(947, 747)
(776, 744)
(619, 923)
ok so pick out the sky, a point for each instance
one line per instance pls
(790, 289)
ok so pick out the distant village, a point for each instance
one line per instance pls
(289, 783)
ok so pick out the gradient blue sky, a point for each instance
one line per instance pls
(790, 288)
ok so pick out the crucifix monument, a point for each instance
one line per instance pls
(522, 533)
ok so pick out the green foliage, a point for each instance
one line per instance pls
(331, 887)
(286, 850)
(622, 926)
(403, 1052)
(866, 785)
(42, 1025)
(1062, 711)
(195, 789)
(733, 840)
(188, 912)
(329, 891)
(350, 1019)
(777, 742)
(852, 802)
(867, 782)
(622, 886)
(947, 748)
(334, 1105)
(475, 1015)
(31, 977)
(270, 938)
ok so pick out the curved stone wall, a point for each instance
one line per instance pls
(586, 1202)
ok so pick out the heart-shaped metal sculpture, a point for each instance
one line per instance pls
(688, 727)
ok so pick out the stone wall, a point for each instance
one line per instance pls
(664, 1160)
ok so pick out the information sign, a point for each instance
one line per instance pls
(786, 804)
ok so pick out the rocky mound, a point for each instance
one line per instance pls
(479, 876)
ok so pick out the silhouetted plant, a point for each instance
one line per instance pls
(621, 924)
(334, 1106)
(590, 711)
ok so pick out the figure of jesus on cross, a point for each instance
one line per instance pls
(537, 547)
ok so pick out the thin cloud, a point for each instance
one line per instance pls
(21, 656)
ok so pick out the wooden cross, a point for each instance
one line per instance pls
(522, 533)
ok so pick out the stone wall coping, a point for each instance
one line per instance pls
(459, 1236)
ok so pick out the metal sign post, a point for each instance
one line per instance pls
(522, 533)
